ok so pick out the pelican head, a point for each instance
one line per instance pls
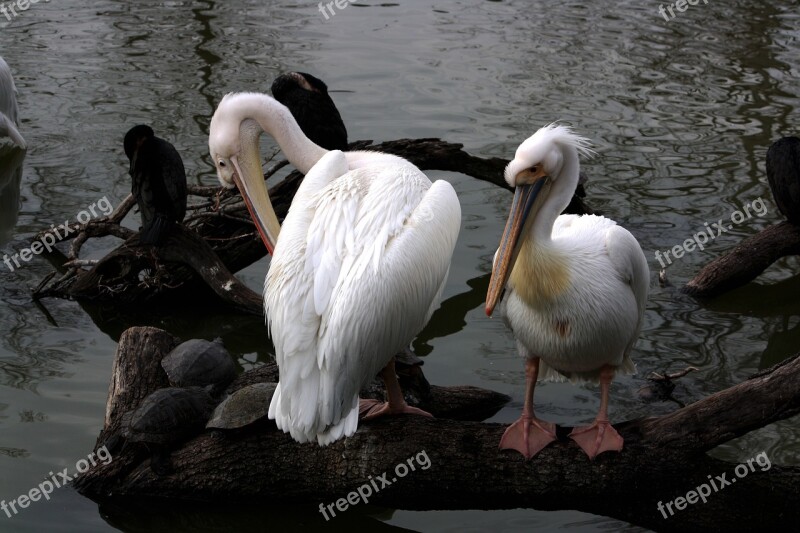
(233, 144)
(544, 174)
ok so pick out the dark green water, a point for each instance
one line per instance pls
(681, 114)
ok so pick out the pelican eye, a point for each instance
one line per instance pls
(222, 163)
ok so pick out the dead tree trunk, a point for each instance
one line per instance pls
(188, 253)
(745, 262)
(664, 458)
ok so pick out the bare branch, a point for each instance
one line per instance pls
(664, 457)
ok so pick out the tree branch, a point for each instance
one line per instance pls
(747, 261)
(663, 458)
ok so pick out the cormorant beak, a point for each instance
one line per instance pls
(249, 178)
(525, 195)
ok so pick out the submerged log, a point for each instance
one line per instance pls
(747, 261)
(133, 274)
(457, 464)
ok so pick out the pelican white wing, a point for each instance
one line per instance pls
(356, 273)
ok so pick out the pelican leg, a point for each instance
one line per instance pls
(529, 434)
(371, 409)
(600, 436)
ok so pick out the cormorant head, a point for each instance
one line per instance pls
(135, 137)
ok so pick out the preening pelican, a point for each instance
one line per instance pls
(359, 267)
(308, 100)
(783, 173)
(159, 183)
(577, 288)
(9, 112)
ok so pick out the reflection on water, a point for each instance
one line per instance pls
(681, 114)
(451, 317)
(11, 159)
(155, 516)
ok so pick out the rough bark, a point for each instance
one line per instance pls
(745, 262)
(664, 457)
(121, 272)
(136, 371)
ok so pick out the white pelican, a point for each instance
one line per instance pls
(9, 113)
(577, 288)
(358, 269)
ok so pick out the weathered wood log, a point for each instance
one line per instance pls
(131, 274)
(136, 372)
(745, 262)
(664, 458)
(121, 272)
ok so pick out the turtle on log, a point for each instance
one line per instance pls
(200, 363)
(243, 408)
(165, 418)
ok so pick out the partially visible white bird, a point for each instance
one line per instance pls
(359, 267)
(9, 113)
(577, 288)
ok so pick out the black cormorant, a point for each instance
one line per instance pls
(316, 114)
(783, 173)
(159, 183)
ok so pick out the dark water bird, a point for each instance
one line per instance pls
(576, 288)
(159, 183)
(783, 173)
(308, 100)
(9, 112)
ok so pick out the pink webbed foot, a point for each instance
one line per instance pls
(528, 436)
(372, 409)
(597, 438)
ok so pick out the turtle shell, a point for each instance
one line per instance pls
(170, 415)
(244, 407)
(199, 363)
